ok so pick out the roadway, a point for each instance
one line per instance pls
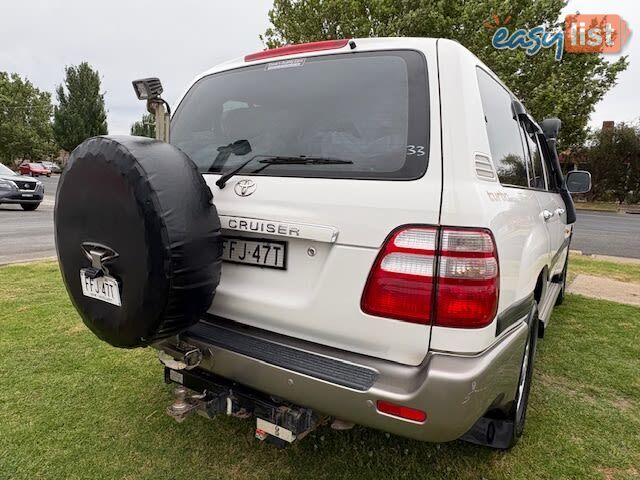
(29, 235)
(605, 233)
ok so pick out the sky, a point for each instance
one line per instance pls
(177, 40)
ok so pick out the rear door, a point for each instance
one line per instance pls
(302, 237)
(559, 230)
(551, 204)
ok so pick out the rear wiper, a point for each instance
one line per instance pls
(280, 160)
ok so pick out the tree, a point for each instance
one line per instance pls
(80, 113)
(613, 158)
(146, 127)
(568, 89)
(25, 120)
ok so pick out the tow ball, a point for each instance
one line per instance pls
(183, 405)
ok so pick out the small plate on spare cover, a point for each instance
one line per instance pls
(103, 288)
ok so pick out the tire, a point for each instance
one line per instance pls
(521, 404)
(145, 201)
(29, 207)
(563, 282)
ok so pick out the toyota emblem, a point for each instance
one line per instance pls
(244, 188)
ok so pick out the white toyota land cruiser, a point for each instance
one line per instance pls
(391, 235)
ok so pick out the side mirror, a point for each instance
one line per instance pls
(578, 181)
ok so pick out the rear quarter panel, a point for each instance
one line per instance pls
(512, 214)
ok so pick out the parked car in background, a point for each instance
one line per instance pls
(52, 167)
(33, 169)
(17, 189)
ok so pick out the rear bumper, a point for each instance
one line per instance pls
(454, 390)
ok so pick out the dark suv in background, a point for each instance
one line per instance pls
(25, 191)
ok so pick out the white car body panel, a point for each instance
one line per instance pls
(514, 215)
(318, 297)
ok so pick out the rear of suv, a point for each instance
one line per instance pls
(420, 267)
(396, 230)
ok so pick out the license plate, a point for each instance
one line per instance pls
(275, 430)
(260, 253)
(103, 288)
(27, 195)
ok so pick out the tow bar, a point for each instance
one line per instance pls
(277, 422)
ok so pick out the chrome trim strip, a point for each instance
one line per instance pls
(319, 233)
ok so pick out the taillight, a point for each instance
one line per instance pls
(401, 281)
(403, 278)
(300, 48)
(467, 279)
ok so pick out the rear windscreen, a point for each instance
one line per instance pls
(368, 109)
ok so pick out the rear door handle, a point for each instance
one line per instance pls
(560, 211)
(547, 214)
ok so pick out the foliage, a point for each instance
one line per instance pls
(512, 170)
(146, 127)
(25, 120)
(568, 89)
(613, 158)
(81, 113)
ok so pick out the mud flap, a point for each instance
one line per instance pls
(490, 432)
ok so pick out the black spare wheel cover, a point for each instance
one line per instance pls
(146, 201)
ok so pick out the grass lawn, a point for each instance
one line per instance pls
(624, 272)
(72, 407)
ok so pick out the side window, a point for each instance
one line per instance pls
(503, 131)
(547, 159)
(538, 177)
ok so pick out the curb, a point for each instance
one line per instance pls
(595, 210)
(26, 261)
(607, 258)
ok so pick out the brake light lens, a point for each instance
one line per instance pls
(400, 284)
(401, 411)
(295, 49)
(462, 293)
(468, 279)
